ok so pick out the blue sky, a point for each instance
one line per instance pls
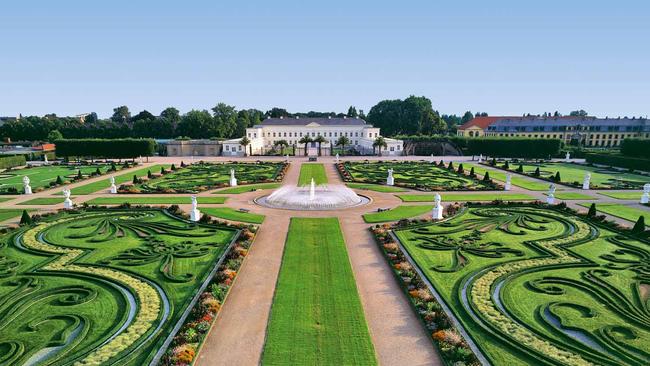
(503, 57)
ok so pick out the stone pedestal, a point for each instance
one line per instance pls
(233, 182)
(586, 181)
(550, 199)
(436, 212)
(645, 198)
(113, 189)
(67, 204)
(28, 190)
(508, 184)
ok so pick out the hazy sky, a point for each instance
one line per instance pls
(503, 57)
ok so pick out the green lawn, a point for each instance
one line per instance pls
(43, 201)
(624, 212)
(312, 170)
(5, 199)
(9, 213)
(119, 179)
(376, 187)
(397, 213)
(623, 195)
(573, 196)
(41, 176)
(248, 188)
(453, 197)
(317, 317)
(104, 275)
(575, 173)
(228, 213)
(153, 200)
(517, 180)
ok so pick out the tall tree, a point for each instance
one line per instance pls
(243, 122)
(579, 113)
(468, 116)
(352, 112)
(194, 124)
(319, 139)
(342, 142)
(245, 142)
(225, 121)
(171, 115)
(305, 140)
(276, 112)
(379, 143)
(121, 114)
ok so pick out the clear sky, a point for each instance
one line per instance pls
(503, 57)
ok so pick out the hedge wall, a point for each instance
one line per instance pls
(637, 148)
(514, 147)
(11, 161)
(105, 148)
(620, 161)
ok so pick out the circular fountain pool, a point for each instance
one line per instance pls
(315, 198)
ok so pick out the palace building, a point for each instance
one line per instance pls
(264, 137)
(588, 131)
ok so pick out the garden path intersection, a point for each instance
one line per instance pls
(239, 334)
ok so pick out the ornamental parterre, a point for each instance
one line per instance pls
(101, 286)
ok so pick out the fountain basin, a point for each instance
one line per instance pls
(319, 198)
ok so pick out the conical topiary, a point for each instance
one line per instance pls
(639, 226)
(486, 177)
(592, 211)
(25, 219)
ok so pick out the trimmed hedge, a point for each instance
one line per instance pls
(637, 148)
(514, 147)
(12, 161)
(105, 148)
(620, 161)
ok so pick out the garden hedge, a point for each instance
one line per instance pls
(105, 148)
(514, 147)
(11, 161)
(618, 160)
(638, 148)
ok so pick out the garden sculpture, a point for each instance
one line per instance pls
(28, 188)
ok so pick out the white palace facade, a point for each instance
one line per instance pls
(263, 137)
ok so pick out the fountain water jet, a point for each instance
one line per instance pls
(312, 197)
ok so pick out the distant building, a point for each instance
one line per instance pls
(588, 131)
(193, 147)
(264, 136)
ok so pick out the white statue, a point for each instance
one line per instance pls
(567, 157)
(432, 159)
(508, 182)
(390, 180)
(195, 214)
(28, 188)
(287, 158)
(67, 203)
(436, 212)
(337, 158)
(113, 186)
(480, 158)
(645, 198)
(233, 180)
(312, 190)
(45, 160)
(550, 199)
(585, 182)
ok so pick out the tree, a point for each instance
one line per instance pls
(557, 177)
(171, 115)
(537, 172)
(639, 226)
(461, 170)
(242, 123)
(59, 180)
(352, 112)
(225, 121)
(319, 139)
(305, 140)
(25, 219)
(472, 173)
(486, 177)
(379, 143)
(592, 211)
(282, 144)
(342, 141)
(276, 112)
(121, 114)
(245, 142)
(194, 124)
(54, 135)
(579, 113)
(468, 116)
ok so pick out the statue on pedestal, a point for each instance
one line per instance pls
(585, 182)
(436, 212)
(67, 203)
(390, 180)
(645, 198)
(26, 186)
(567, 157)
(233, 180)
(508, 182)
(550, 199)
(113, 186)
(195, 214)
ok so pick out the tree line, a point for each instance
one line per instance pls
(412, 116)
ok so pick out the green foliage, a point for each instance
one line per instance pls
(312, 170)
(59, 180)
(413, 115)
(557, 177)
(619, 160)
(514, 147)
(105, 148)
(25, 219)
(486, 177)
(228, 213)
(12, 161)
(54, 135)
(592, 211)
(639, 226)
(636, 148)
(328, 326)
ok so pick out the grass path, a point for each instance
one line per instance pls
(248, 188)
(43, 201)
(228, 213)
(568, 196)
(466, 197)
(177, 200)
(10, 213)
(312, 170)
(317, 317)
(624, 212)
(119, 179)
(635, 195)
(397, 213)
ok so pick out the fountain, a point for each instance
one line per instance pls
(313, 197)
